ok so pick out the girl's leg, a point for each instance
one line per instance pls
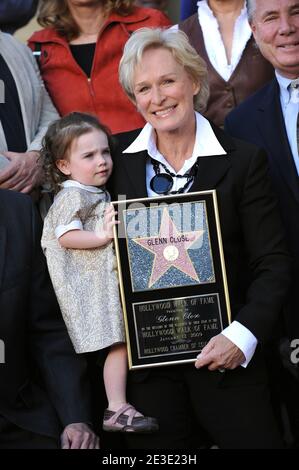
(120, 415)
(115, 376)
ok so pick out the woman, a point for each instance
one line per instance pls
(165, 78)
(81, 46)
(221, 34)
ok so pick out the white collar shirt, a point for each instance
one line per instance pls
(209, 145)
(290, 108)
(76, 184)
(214, 43)
(146, 141)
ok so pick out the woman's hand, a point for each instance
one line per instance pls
(219, 354)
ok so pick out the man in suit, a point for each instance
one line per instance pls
(43, 387)
(269, 119)
(25, 113)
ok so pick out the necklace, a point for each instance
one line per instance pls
(162, 183)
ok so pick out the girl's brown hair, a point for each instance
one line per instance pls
(57, 143)
(55, 14)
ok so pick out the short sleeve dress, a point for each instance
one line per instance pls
(85, 281)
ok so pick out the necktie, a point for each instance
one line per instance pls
(294, 97)
(294, 90)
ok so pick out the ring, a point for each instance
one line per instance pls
(221, 370)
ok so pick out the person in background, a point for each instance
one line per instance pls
(25, 113)
(188, 8)
(81, 46)
(159, 4)
(226, 392)
(221, 35)
(270, 119)
(44, 392)
(16, 13)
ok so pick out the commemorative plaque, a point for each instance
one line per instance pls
(172, 276)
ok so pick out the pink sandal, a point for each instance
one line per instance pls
(118, 421)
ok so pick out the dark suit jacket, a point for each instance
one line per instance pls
(259, 120)
(42, 383)
(256, 258)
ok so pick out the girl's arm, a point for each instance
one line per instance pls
(83, 239)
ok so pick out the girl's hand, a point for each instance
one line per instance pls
(108, 223)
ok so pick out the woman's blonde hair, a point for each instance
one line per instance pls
(58, 140)
(55, 14)
(177, 43)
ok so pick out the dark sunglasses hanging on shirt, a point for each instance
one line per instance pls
(162, 183)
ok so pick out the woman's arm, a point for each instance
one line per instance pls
(84, 239)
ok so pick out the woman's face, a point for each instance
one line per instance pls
(164, 91)
(84, 3)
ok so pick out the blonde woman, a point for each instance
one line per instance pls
(166, 79)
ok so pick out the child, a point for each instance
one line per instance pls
(77, 235)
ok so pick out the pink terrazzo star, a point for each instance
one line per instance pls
(170, 249)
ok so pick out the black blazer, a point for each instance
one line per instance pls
(257, 260)
(260, 120)
(42, 387)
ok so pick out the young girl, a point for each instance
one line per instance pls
(77, 235)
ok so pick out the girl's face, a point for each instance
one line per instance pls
(89, 161)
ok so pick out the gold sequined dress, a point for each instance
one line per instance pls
(85, 281)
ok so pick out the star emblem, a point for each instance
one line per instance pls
(170, 249)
